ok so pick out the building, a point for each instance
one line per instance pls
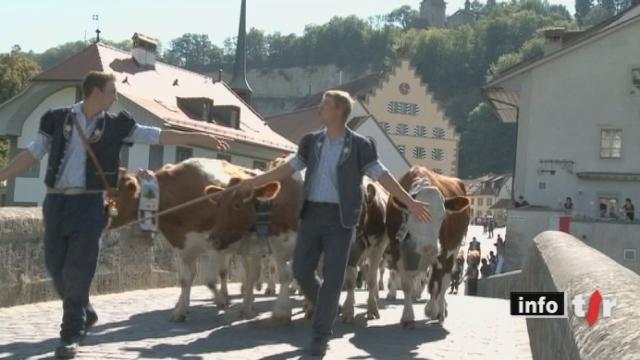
(405, 109)
(577, 110)
(577, 118)
(462, 16)
(155, 94)
(432, 13)
(489, 195)
(294, 125)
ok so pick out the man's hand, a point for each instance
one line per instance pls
(420, 210)
(214, 142)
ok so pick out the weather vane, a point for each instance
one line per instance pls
(96, 18)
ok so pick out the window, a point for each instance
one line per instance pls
(437, 154)
(156, 157)
(261, 165)
(420, 131)
(608, 206)
(402, 129)
(223, 157)
(397, 107)
(472, 201)
(610, 143)
(480, 202)
(419, 152)
(183, 153)
(542, 185)
(630, 254)
(385, 126)
(439, 133)
(401, 149)
(489, 201)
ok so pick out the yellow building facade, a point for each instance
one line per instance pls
(406, 110)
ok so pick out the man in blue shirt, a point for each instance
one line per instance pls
(336, 159)
(73, 210)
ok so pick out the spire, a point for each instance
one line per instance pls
(239, 82)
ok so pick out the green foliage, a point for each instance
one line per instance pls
(596, 15)
(194, 52)
(16, 70)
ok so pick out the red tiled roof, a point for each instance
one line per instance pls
(154, 90)
(294, 125)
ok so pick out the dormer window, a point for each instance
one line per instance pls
(196, 108)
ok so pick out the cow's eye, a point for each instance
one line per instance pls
(237, 206)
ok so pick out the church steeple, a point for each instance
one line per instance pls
(239, 82)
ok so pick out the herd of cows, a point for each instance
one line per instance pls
(228, 224)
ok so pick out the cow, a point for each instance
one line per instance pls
(416, 247)
(187, 230)
(237, 215)
(370, 244)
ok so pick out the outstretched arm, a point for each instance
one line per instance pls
(20, 164)
(176, 137)
(417, 208)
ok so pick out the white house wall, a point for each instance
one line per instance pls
(387, 152)
(32, 189)
(564, 105)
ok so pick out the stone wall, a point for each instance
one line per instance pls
(125, 263)
(560, 262)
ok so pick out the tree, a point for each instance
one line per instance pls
(16, 70)
(404, 17)
(194, 52)
(597, 15)
(609, 5)
(582, 9)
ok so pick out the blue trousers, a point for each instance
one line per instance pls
(74, 226)
(320, 232)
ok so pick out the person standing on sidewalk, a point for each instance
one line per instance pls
(73, 210)
(336, 159)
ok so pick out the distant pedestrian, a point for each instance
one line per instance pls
(629, 209)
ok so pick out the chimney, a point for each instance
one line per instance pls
(239, 82)
(144, 51)
(552, 39)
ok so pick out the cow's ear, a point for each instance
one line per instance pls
(268, 192)
(371, 192)
(210, 190)
(456, 204)
(234, 181)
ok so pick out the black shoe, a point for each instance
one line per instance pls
(67, 349)
(318, 347)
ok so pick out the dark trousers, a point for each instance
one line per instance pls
(320, 232)
(73, 228)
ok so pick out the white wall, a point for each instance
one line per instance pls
(564, 105)
(33, 189)
(387, 152)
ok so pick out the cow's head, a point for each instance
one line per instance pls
(127, 199)
(426, 235)
(236, 210)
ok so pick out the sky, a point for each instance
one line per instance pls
(40, 24)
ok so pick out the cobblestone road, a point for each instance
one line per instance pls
(135, 325)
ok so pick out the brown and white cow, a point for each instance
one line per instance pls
(369, 246)
(434, 244)
(187, 230)
(237, 215)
